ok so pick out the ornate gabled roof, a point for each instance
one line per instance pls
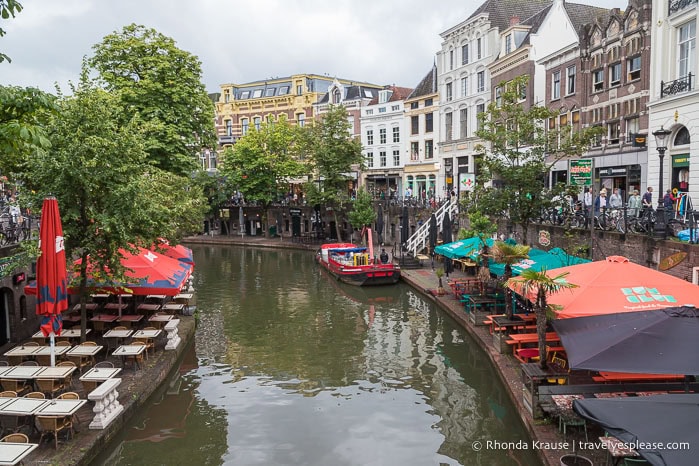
(397, 94)
(427, 86)
(500, 11)
(580, 15)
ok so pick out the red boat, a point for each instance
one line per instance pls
(356, 265)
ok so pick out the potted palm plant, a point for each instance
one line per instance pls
(440, 286)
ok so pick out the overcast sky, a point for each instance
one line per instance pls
(377, 41)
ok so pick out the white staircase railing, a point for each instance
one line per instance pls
(420, 239)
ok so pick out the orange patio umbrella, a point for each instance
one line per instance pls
(617, 285)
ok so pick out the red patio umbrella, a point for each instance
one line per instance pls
(179, 252)
(51, 273)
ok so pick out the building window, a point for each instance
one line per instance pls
(687, 44)
(479, 48)
(370, 160)
(508, 43)
(382, 109)
(257, 121)
(429, 152)
(227, 96)
(413, 105)
(449, 92)
(229, 127)
(464, 87)
(396, 134)
(269, 92)
(395, 108)
(632, 128)
(299, 89)
(429, 122)
(336, 96)
(498, 96)
(414, 151)
(614, 74)
(613, 133)
(301, 119)
(414, 125)
(428, 102)
(382, 158)
(382, 135)
(451, 60)
(570, 80)
(556, 85)
(284, 90)
(522, 92)
(257, 93)
(633, 68)
(480, 78)
(463, 123)
(396, 158)
(244, 125)
(245, 95)
(480, 108)
(448, 126)
(370, 137)
(370, 111)
(464, 54)
(597, 80)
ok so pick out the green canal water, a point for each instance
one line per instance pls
(289, 367)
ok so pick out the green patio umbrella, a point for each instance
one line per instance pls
(470, 248)
(538, 260)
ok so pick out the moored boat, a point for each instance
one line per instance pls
(356, 265)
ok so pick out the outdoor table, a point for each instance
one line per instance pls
(100, 374)
(617, 449)
(89, 306)
(115, 306)
(5, 369)
(172, 307)
(148, 307)
(46, 350)
(183, 296)
(129, 350)
(65, 333)
(84, 350)
(57, 372)
(503, 323)
(22, 406)
(22, 351)
(147, 333)
(156, 297)
(160, 318)
(21, 372)
(60, 408)
(100, 296)
(72, 317)
(518, 340)
(13, 453)
(479, 302)
(532, 377)
(118, 335)
(104, 318)
(130, 318)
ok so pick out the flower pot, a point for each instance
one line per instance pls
(575, 460)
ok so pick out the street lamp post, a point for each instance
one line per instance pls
(660, 217)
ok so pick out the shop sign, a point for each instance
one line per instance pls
(544, 238)
(680, 160)
(580, 172)
(295, 212)
(639, 140)
(612, 171)
(467, 181)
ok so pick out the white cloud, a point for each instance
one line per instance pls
(378, 41)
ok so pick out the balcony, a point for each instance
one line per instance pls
(677, 86)
(673, 6)
(226, 139)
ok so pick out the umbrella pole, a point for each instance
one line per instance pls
(52, 339)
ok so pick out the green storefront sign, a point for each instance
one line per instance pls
(680, 160)
(580, 172)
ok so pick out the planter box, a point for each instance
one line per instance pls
(499, 339)
(477, 317)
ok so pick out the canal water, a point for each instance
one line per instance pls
(290, 367)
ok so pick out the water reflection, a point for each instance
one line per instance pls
(297, 369)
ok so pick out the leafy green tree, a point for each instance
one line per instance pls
(509, 254)
(362, 213)
(162, 85)
(261, 162)
(109, 196)
(540, 285)
(8, 8)
(519, 151)
(23, 114)
(331, 152)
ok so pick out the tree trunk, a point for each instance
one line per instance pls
(508, 293)
(83, 297)
(541, 326)
(337, 226)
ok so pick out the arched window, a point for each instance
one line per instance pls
(337, 96)
(682, 137)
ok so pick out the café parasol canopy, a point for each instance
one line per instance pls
(617, 285)
(51, 272)
(179, 252)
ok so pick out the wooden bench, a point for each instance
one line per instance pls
(630, 377)
(422, 257)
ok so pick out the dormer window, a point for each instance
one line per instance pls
(336, 96)
(508, 43)
(384, 95)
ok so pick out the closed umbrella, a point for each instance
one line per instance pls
(241, 221)
(433, 233)
(51, 273)
(379, 224)
(405, 226)
(446, 228)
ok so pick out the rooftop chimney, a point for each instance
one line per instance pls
(514, 20)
